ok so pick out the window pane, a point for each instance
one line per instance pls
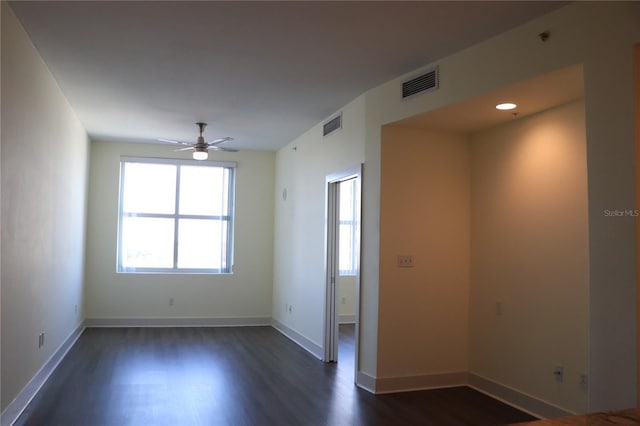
(346, 244)
(149, 188)
(147, 242)
(346, 199)
(170, 229)
(345, 249)
(203, 190)
(202, 244)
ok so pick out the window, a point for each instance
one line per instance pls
(348, 232)
(175, 216)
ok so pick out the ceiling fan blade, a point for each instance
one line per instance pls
(183, 149)
(219, 148)
(170, 141)
(219, 141)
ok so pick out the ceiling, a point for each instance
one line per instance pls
(262, 72)
(531, 96)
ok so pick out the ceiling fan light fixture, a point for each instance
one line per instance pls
(201, 148)
(200, 154)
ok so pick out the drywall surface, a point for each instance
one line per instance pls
(530, 255)
(424, 213)
(44, 184)
(300, 225)
(244, 294)
(347, 295)
(599, 36)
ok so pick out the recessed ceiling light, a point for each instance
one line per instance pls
(506, 106)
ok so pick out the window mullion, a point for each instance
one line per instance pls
(157, 215)
(175, 219)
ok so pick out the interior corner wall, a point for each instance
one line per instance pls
(44, 184)
(243, 295)
(636, 119)
(530, 257)
(598, 35)
(609, 123)
(1, 18)
(300, 226)
(424, 212)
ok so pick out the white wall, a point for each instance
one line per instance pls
(424, 212)
(44, 182)
(299, 250)
(244, 294)
(495, 217)
(598, 35)
(347, 297)
(530, 254)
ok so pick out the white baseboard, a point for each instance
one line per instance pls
(421, 382)
(346, 319)
(311, 347)
(520, 400)
(366, 382)
(17, 406)
(178, 322)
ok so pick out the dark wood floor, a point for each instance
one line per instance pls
(232, 376)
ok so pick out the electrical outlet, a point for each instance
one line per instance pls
(40, 340)
(558, 372)
(343, 301)
(405, 261)
(584, 381)
(171, 301)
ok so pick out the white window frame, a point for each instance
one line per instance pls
(230, 165)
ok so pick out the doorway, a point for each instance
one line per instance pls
(342, 262)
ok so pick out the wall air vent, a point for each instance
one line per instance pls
(332, 125)
(420, 84)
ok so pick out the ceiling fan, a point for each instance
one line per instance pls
(201, 148)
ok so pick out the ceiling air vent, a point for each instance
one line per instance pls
(332, 125)
(420, 84)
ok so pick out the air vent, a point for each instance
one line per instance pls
(332, 125)
(425, 82)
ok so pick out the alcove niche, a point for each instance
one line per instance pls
(492, 205)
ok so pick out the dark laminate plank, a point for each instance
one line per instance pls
(629, 417)
(232, 376)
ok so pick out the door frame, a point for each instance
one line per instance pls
(331, 318)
